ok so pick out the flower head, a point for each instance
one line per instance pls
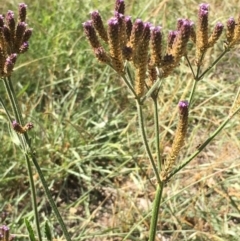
(230, 29)
(98, 25)
(218, 29)
(22, 12)
(128, 23)
(22, 129)
(91, 34)
(120, 6)
(14, 38)
(156, 46)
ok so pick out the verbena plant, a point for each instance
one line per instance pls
(14, 37)
(137, 52)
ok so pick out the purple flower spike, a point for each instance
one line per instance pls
(146, 31)
(137, 31)
(21, 27)
(219, 27)
(120, 6)
(113, 22)
(231, 22)
(7, 34)
(10, 20)
(204, 6)
(27, 34)
(171, 36)
(230, 29)
(129, 25)
(9, 65)
(183, 106)
(95, 16)
(91, 34)
(22, 11)
(203, 10)
(24, 47)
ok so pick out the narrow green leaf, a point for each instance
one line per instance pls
(48, 232)
(30, 230)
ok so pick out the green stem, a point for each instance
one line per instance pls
(155, 212)
(157, 141)
(192, 92)
(33, 196)
(27, 147)
(145, 142)
(189, 64)
(213, 64)
(17, 112)
(154, 87)
(49, 197)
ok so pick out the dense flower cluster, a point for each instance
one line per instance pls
(14, 36)
(138, 42)
(141, 44)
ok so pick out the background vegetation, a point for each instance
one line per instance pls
(86, 132)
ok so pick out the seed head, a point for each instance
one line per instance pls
(236, 37)
(102, 56)
(20, 30)
(120, 6)
(27, 34)
(193, 33)
(156, 46)
(218, 29)
(140, 75)
(91, 34)
(180, 41)
(128, 23)
(22, 12)
(9, 64)
(141, 60)
(98, 25)
(136, 35)
(122, 29)
(10, 21)
(178, 141)
(141, 52)
(202, 31)
(7, 35)
(114, 44)
(171, 36)
(230, 29)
